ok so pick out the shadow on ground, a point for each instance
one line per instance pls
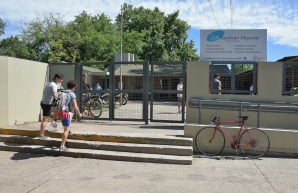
(23, 156)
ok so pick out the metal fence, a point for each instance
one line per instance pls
(151, 88)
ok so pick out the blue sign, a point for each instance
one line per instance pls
(215, 36)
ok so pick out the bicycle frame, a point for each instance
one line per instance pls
(235, 143)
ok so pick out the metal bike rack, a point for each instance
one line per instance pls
(252, 106)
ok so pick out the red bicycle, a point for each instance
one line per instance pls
(252, 142)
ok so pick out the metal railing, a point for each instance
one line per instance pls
(251, 106)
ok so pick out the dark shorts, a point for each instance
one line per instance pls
(46, 110)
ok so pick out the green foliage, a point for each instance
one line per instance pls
(161, 37)
(2, 26)
(148, 34)
(13, 47)
(47, 35)
(98, 38)
(243, 67)
(26, 122)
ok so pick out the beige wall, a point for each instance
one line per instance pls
(269, 85)
(21, 87)
(4, 91)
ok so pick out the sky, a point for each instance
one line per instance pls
(279, 17)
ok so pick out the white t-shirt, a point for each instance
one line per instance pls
(180, 88)
(251, 88)
(48, 93)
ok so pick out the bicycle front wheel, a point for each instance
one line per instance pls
(210, 141)
(254, 143)
(95, 109)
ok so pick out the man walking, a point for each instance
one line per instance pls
(50, 91)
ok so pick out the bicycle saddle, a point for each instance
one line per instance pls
(243, 117)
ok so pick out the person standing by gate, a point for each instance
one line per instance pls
(86, 86)
(217, 84)
(180, 96)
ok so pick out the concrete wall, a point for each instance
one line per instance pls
(269, 85)
(21, 88)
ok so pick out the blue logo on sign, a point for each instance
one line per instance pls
(215, 36)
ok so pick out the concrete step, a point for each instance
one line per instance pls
(97, 154)
(118, 138)
(98, 145)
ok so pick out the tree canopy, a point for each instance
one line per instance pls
(2, 26)
(148, 34)
(163, 37)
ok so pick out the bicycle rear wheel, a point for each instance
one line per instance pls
(210, 141)
(95, 109)
(85, 110)
(254, 143)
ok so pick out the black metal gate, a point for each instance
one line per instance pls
(151, 88)
(164, 78)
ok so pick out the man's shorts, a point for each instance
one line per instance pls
(46, 110)
(66, 122)
(179, 99)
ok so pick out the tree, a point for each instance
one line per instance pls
(163, 37)
(98, 37)
(243, 67)
(2, 26)
(14, 47)
(50, 38)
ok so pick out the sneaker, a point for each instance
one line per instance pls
(63, 149)
(54, 125)
(178, 111)
(43, 137)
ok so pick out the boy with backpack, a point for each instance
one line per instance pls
(62, 110)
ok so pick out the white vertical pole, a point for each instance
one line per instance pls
(121, 55)
(121, 50)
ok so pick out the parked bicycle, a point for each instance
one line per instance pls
(95, 105)
(252, 142)
(105, 98)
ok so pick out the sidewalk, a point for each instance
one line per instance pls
(112, 128)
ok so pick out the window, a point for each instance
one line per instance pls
(290, 78)
(236, 77)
